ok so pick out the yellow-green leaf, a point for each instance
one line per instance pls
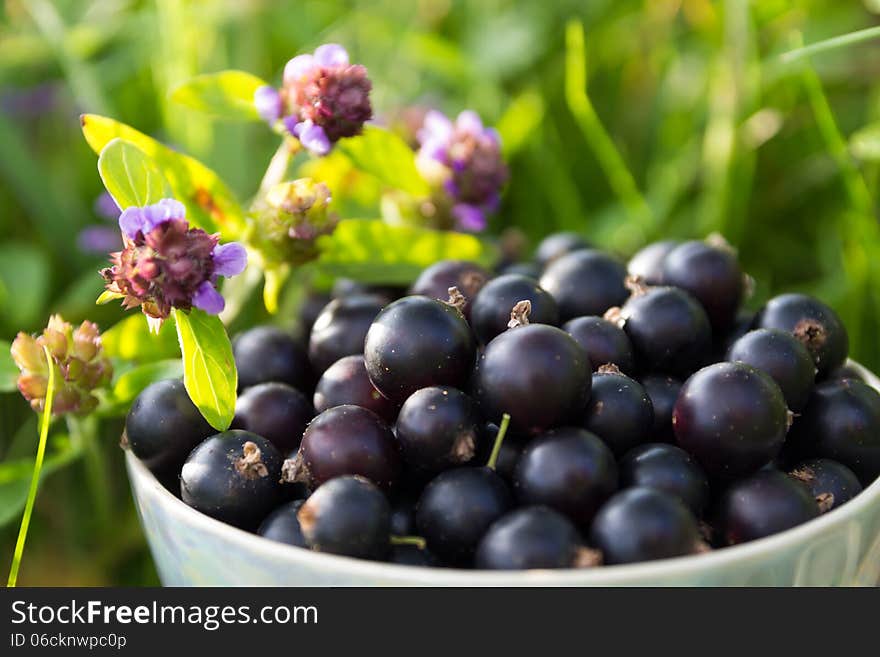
(130, 339)
(226, 95)
(383, 154)
(107, 296)
(129, 175)
(865, 143)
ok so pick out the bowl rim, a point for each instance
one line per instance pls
(361, 569)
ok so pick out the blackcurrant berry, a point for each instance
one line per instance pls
(346, 382)
(811, 322)
(604, 342)
(266, 353)
(832, 484)
(438, 428)
(556, 245)
(346, 440)
(536, 373)
(712, 275)
(732, 418)
(841, 422)
(457, 507)
(403, 517)
(667, 468)
(663, 391)
(530, 269)
(668, 329)
(346, 287)
(491, 309)
(619, 411)
(349, 516)
(508, 452)
(532, 537)
(311, 307)
(647, 263)
(418, 342)
(643, 524)
(435, 281)
(275, 411)
(234, 477)
(766, 503)
(586, 282)
(783, 357)
(412, 555)
(848, 371)
(341, 328)
(163, 426)
(567, 469)
(282, 525)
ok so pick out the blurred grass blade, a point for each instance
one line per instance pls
(842, 41)
(865, 143)
(520, 120)
(129, 175)
(131, 340)
(227, 95)
(386, 156)
(8, 369)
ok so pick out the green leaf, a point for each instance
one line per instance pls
(275, 279)
(226, 95)
(377, 252)
(383, 154)
(520, 121)
(129, 175)
(8, 369)
(209, 372)
(130, 339)
(25, 274)
(107, 296)
(130, 384)
(210, 204)
(865, 143)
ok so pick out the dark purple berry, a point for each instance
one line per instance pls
(712, 275)
(412, 555)
(732, 418)
(813, 323)
(536, 373)
(643, 524)
(605, 342)
(620, 411)
(282, 525)
(557, 245)
(766, 503)
(435, 281)
(508, 453)
(311, 307)
(341, 328)
(275, 411)
(418, 342)
(667, 468)
(349, 516)
(265, 353)
(663, 391)
(346, 440)
(530, 269)
(567, 469)
(669, 330)
(647, 263)
(163, 426)
(346, 382)
(783, 357)
(234, 477)
(848, 371)
(832, 484)
(491, 309)
(586, 282)
(346, 287)
(403, 517)
(457, 508)
(438, 428)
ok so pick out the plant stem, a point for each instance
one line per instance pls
(496, 448)
(418, 541)
(833, 43)
(35, 478)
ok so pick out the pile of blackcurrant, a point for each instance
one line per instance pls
(568, 412)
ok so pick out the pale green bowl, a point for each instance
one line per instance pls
(190, 549)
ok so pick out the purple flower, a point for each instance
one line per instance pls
(268, 103)
(105, 207)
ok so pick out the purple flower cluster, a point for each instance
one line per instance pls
(464, 158)
(166, 264)
(99, 238)
(323, 98)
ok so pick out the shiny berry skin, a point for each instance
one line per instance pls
(841, 422)
(412, 555)
(282, 525)
(711, 275)
(663, 391)
(669, 469)
(536, 373)
(586, 282)
(831, 484)
(435, 281)
(311, 307)
(603, 341)
(813, 323)
(266, 353)
(346, 382)
(275, 411)
(647, 263)
(531, 537)
(163, 426)
(341, 328)
(557, 245)
(347, 440)
(783, 357)
(346, 287)
(438, 428)
(508, 454)
(732, 418)
(669, 331)
(530, 269)
(490, 310)
(233, 476)
(567, 469)
(403, 517)
(418, 342)
(457, 507)
(643, 524)
(766, 503)
(349, 516)
(619, 412)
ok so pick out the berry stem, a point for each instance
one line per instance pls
(417, 541)
(496, 448)
(35, 478)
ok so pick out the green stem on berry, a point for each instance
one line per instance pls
(496, 448)
(35, 478)
(417, 541)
